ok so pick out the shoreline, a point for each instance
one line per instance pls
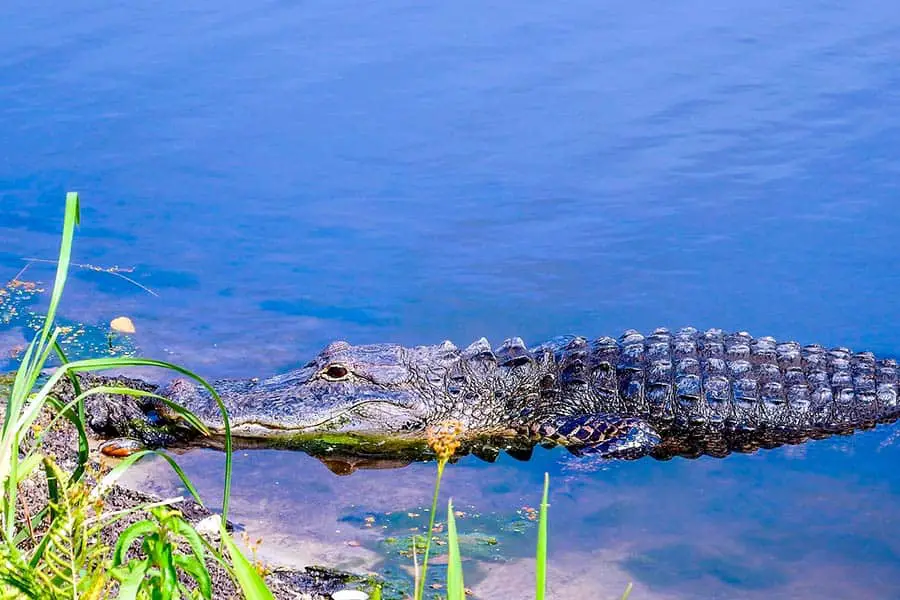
(60, 442)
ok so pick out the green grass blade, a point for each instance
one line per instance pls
(540, 585)
(71, 219)
(22, 415)
(456, 589)
(252, 584)
(53, 484)
(39, 350)
(18, 393)
(27, 466)
(100, 364)
(78, 419)
(196, 568)
(420, 587)
(627, 591)
(38, 553)
(216, 554)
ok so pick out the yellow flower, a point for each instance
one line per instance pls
(443, 438)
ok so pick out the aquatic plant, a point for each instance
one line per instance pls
(444, 440)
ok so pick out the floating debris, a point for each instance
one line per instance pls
(122, 325)
(18, 301)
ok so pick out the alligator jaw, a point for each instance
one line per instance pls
(356, 420)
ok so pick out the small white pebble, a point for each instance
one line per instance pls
(350, 595)
(209, 526)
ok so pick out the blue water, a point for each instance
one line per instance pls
(284, 174)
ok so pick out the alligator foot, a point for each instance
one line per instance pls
(607, 436)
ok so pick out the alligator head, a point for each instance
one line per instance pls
(379, 389)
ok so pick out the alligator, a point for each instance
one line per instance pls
(684, 393)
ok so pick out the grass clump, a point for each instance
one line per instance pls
(60, 552)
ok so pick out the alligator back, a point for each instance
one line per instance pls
(714, 392)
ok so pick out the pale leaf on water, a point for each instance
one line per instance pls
(122, 325)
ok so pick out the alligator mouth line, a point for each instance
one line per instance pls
(303, 428)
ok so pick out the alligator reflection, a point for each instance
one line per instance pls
(344, 454)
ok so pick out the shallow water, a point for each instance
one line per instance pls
(286, 174)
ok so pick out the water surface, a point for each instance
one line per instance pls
(286, 174)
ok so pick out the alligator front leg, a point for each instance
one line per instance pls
(608, 436)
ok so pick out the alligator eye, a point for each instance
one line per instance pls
(336, 373)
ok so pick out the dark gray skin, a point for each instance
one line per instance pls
(687, 393)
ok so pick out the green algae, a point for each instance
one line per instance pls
(19, 301)
(361, 445)
(483, 538)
